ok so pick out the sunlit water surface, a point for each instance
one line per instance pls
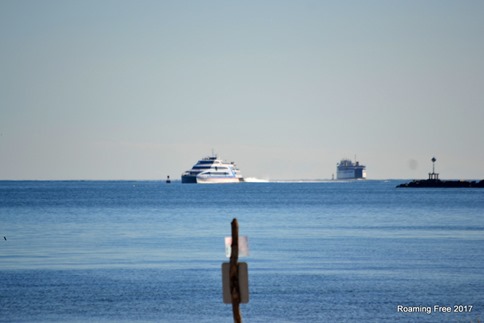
(126, 251)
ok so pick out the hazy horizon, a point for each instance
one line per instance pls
(113, 90)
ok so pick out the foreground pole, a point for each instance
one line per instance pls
(234, 272)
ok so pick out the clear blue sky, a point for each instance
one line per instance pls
(142, 89)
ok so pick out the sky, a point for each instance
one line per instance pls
(100, 89)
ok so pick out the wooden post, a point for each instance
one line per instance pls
(234, 272)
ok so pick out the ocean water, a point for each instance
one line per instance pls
(146, 251)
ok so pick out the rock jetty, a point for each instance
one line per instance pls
(443, 184)
(434, 181)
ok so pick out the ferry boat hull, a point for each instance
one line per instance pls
(189, 179)
(217, 180)
(351, 174)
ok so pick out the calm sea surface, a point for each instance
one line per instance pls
(145, 251)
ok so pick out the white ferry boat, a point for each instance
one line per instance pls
(346, 169)
(212, 170)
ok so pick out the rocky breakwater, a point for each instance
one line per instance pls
(437, 183)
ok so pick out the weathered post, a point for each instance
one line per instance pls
(234, 272)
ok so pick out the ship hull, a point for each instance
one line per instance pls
(217, 180)
(189, 179)
(351, 174)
